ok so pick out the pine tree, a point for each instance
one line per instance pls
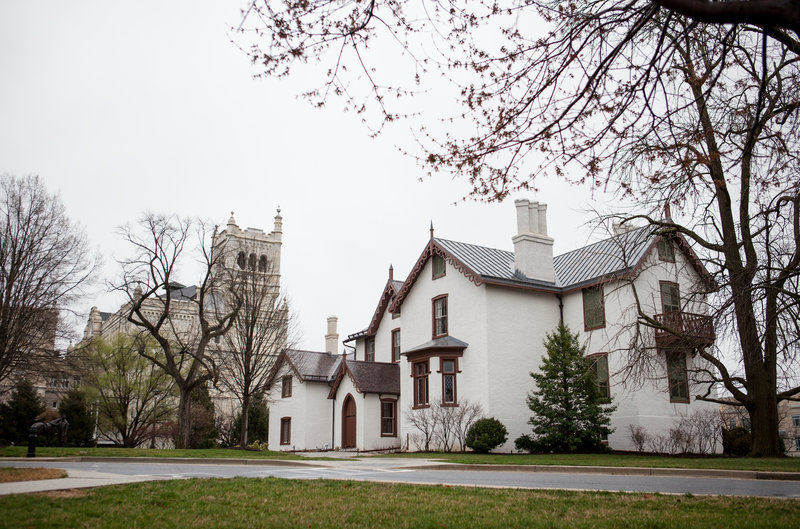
(74, 407)
(569, 413)
(19, 413)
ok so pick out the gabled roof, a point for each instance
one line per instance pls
(388, 295)
(369, 377)
(311, 365)
(592, 264)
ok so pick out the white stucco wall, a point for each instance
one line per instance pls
(309, 408)
(517, 322)
(644, 400)
(466, 305)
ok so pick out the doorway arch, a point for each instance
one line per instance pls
(349, 422)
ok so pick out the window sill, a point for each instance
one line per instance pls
(420, 407)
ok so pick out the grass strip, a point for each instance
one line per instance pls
(782, 464)
(272, 502)
(8, 474)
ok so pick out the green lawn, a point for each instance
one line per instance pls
(54, 451)
(783, 464)
(271, 502)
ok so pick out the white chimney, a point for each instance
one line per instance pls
(332, 338)
(533, 249)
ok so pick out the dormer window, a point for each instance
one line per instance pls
(666, 252)
(438, 266)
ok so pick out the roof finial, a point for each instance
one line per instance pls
(391, 272)
(431, 229)
(668, 211)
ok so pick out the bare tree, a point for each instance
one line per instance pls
(131, 393)
(260, 331)
(182, 320)
(44, 262)
(690, 103)
(426, 421)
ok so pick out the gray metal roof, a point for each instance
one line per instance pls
(445, 342)
(613, 255)
(607, 257)
(312, 365)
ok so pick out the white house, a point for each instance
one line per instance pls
(468, 325)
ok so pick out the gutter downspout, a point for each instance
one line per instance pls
(560, 308)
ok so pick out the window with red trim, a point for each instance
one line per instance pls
(678, 377)
(420, 371)
(440, 316)
(438, 266)
(396, 345)
(449, 368)
(670, 297)
(594, 312)
(388, 418)
(286, 430)
(369, 349)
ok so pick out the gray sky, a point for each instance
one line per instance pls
(135, 106)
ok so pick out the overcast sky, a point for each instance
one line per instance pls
(135, 106)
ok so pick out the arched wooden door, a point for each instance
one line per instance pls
(349, 422)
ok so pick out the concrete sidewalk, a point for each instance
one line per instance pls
(77, 479)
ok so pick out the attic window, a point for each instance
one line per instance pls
(666, 252)
(438, 266)
(286, 387)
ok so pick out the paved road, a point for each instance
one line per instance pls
(386, 470)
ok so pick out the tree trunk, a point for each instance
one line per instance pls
(764, 421)
(245, 409)
(182, 440)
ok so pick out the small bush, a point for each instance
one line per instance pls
(486, 434)
(736, 441)
(525, 442)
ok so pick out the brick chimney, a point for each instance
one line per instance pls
(533, 249)
(332, 338)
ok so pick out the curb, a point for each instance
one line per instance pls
(618, 471)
